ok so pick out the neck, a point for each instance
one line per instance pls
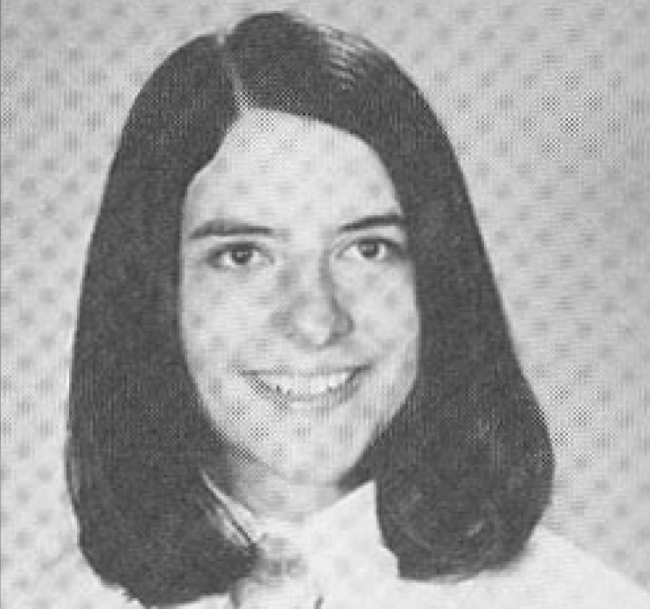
(268, 494)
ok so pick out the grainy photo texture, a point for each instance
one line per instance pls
(326, 305)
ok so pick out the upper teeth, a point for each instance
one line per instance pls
(304, 386)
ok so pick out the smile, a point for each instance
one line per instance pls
(326, 388)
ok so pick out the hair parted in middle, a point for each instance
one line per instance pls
(465, 469)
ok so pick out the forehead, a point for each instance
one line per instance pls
(275, 163)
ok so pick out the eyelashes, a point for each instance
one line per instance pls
(247, 256)
(375, 249)
(242, 255)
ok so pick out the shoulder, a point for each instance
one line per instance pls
(552, 573)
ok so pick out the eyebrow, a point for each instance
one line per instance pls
(390, 219)
(229, 228)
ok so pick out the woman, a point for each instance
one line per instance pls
(290, 342)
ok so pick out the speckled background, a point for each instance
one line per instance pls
(548, 104)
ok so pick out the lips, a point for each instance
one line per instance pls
(316, 387)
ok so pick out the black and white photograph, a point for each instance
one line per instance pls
(325, 304)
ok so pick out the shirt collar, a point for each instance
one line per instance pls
(356, 509)
(342, 545)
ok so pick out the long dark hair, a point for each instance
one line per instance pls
(464, 471)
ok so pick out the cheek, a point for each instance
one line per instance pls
(209, 319)
(385, 311)
(222, 322)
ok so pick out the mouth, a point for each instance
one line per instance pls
(308, 389)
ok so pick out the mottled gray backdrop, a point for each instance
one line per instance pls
(548, 104)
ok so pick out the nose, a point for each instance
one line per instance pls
(312, 313)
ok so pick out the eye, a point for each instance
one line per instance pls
(374, 248)
(237, 256)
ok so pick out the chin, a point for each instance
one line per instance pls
(327, 478)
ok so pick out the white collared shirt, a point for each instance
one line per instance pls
(355, 571)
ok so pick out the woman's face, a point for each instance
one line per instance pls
(297, 296)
